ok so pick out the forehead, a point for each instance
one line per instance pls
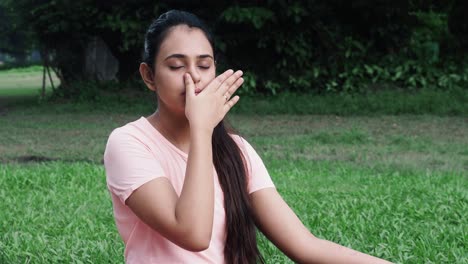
(184, 40)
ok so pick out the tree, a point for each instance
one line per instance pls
(282, 44)
(16, 40)
(458, 22)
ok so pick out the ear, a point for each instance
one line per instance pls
(147, 76)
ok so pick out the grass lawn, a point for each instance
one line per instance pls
(22, 85)
(394, 186)
(23, 81)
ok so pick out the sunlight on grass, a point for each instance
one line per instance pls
(24, 81)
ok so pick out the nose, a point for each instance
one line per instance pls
(195, 74)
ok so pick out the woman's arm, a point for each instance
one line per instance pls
(281, 225)
(188, 220)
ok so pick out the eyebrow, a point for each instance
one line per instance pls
(182, 56)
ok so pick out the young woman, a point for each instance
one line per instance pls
(185, 190)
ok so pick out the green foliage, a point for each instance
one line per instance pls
(386, 47)
(256, 16)
(15, 39)
(295, 46)
(126, 20)
(250, 84)
(109, 93)
(410, 74)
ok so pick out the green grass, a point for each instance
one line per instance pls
(60, 212)
(56, 213)
(391, 186)
(26, 69)
(23, 81)
(394, 186)
(23, 85)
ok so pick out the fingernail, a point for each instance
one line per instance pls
(240, 72)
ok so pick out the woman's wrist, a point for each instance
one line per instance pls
(201, 131)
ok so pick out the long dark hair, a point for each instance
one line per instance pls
(241, 244)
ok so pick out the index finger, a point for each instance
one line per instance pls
(189, 86)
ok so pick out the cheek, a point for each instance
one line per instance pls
(169, 80)
(213, 73)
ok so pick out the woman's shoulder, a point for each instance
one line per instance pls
(135, 127)
(130, 132)
(238, 139)
(129, 139)
(243, 143)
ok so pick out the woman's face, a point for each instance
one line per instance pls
(184, 50)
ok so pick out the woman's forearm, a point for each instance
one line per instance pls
(195, 206)
(324, 251)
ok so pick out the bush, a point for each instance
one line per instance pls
(282, 46)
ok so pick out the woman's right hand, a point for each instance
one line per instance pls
(208, 108)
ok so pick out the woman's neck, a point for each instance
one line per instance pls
(174, 128)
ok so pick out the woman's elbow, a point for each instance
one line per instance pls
(197, 245)
(197, 248)
(196, 242)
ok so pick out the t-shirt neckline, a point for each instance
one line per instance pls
(185, 155)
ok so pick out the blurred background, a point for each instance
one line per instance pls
(284, 46)
(359, 110)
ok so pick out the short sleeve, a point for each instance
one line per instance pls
(257, 174)
(129, 163)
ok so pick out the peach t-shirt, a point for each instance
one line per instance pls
(137, 153)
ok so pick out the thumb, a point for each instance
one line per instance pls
(189, 85)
